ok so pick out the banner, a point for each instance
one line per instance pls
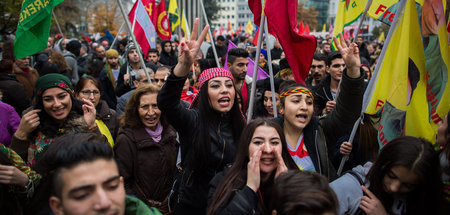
(33, 28)
(348, 12)
(399, 88)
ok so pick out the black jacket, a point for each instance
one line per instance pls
(322, 94)
(193, 190)
(109, 117)
(321, 134)
(166, 58)
(108, 94)
(14, 93)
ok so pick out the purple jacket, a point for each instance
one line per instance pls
(9, 122)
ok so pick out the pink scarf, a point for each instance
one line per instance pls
(156, 134)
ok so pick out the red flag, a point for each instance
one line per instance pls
(221, 29)
(306, 30)
(301, 30)
(255, 38)
(283, 25)
(256, 8)
(240, 29)
(161, 21)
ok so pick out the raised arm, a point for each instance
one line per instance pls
(188, 49)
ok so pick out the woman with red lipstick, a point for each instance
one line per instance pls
(145, 149)
(405, 179)
(55, 112)
(246, 187)
(311, 139)
(209, 131)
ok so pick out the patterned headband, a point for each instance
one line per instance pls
(297, 90)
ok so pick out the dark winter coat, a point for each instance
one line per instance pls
(322, 94)
(108, 94)
(146, 163)
(168, 59)
(193, 189)
(14, 93)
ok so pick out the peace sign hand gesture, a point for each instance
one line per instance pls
(188, 49)
(350, 54)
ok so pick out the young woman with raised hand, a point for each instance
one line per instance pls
(247, 186)
(55, 112)
(405, 179)
(209, 131)
(311, 139)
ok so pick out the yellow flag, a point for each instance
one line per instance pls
(174, 16)
(381, 37)
(185, 27)
(348, 12)
(383, 10)
(399, 87)
(324, 29)
(249, 27)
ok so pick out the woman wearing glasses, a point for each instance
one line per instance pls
(107, 119)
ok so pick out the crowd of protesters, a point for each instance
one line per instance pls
(86, 129)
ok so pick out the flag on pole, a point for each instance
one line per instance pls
(256, 37)
(283, 25)
(399, 87)
(381, 37)
(161, 21)
(185, 27)
(306, 29)
(301, 29)
(324, 28)
(348, 12)
(384, 10)
(249, 27)
(251, 64)
(240, 29)
(174, 16)
(33, 28)
(144, 30)
(230, 29)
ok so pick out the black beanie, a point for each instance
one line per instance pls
(74, 47)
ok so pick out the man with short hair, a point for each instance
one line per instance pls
(317, 70)
(100, 52)
(71, 54)
(87, 181)
(325, 92)
(276, 50)
(326, 48)
(161, 75)
(238, 64)
(153, 57)
(221, 48)
(141, 78)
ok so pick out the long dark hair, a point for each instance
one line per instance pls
(417, 155)
(368, 141)
(209, 118)
(237, 175)
(47, 124)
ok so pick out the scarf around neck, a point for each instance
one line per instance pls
(156, 134)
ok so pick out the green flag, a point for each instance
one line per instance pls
(33, 28)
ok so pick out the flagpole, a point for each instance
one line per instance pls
(272, 84)
(369, 2)
(125, 17)
(179, 15)
(117, 35)
(210, 35)
(57, 24)
(369, 90)
(255, 68)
